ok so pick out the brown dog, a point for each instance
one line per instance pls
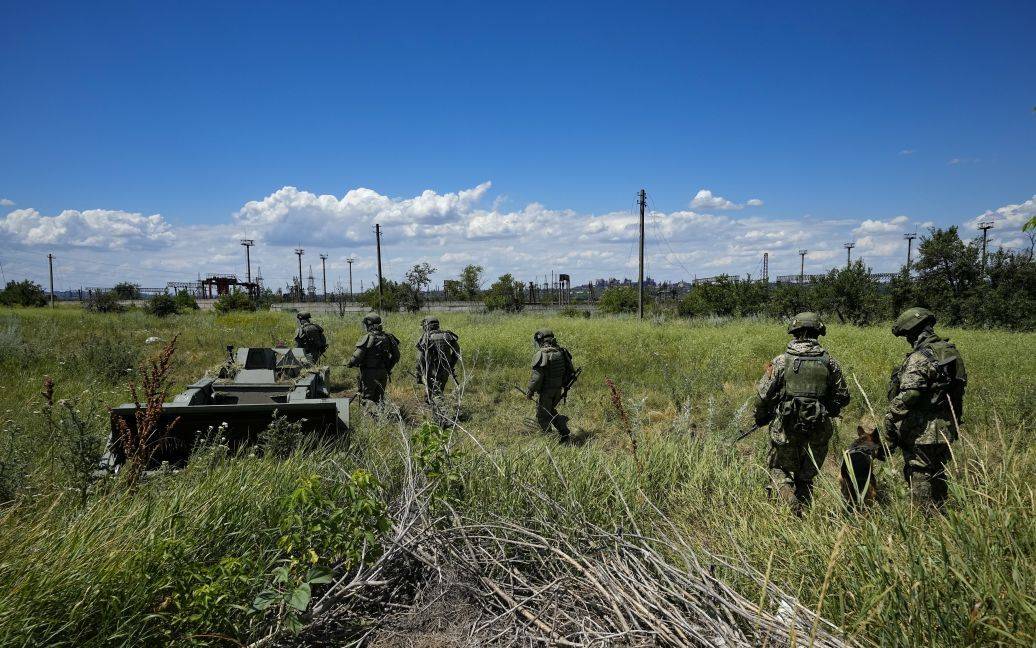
(857, 479)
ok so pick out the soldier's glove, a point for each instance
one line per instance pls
(891, 435)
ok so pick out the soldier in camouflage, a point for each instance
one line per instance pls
(438, 351)
(800, 392)
(552, 371)
(377, 353)
(926, 401)
(310, 337)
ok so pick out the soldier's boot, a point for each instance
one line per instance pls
(803, 494)
(782, 489)
(926, 475)
(561, 424)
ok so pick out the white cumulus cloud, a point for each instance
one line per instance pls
(91, 228)
(6, 202)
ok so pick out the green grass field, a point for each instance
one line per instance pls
(167, 563)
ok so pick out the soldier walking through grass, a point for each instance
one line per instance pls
(926, 406)
(438, 351)
(800, 392)
(310, 337)
(377, 353)
(552, 375)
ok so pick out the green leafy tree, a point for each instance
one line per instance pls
(395, 297)
(126, 290)
(185, 301)
(417, 279)
(948, 273)
(104, 302)
(506, 294)
(23, 293)
(470, 282)
(620, 299)
(161, 306)
(234, 301)
(850, 294)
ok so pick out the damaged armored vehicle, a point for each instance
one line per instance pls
(237, 401)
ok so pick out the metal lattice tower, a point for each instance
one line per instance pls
(802, 265)
(985, 226)
(909, 236)
(299, 252)
(849, 253)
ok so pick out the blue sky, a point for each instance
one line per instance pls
(151, 128)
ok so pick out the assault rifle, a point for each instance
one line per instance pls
(571, 381)
(746, 433)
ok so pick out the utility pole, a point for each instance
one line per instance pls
(248, 243)
(642, 201)
(381, 282)
(802, 266)
(909, 236)
(323, 270)
(302, 294)
(985, 226)
(50, 262)
(350, 262)
(766, 267)
(849, 253)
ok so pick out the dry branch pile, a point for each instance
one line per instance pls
(549, 583)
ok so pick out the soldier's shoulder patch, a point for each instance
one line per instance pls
(768, 369)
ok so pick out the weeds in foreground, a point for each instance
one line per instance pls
(141, 440)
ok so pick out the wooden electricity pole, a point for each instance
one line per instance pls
(50, 262)
(642, 201)
(381, 282)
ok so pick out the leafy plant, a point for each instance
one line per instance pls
(185, 301)
(281, 436)
(234, 301)
(23, 293)
(506, 294)
(322, 533)
(104, 302)
(161, 306)
(434, 457)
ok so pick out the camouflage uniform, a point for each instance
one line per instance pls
(926, 397)
(552, 368)
(310, 337)
(437, 353)
(377, 353)
(798, 395)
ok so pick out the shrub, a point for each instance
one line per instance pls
(161, 306)
(107, 358)
(281, 436)
(126, 290)
(185, 301)
(850, 294)
(23, 293)
(104, 302)
(395, 296)
(234, 301)
(620, 299)
(505, 294)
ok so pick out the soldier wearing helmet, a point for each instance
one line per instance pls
(377, 353)
(438, 351)
(800, 392)
(552, 373)
(310, 337)
(926, 403)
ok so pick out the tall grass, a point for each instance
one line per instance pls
(102, 573)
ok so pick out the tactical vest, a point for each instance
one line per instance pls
(439, 349)
(951, 381)
(380, 351)
(805, 390)
(313, 338)
(554, 367)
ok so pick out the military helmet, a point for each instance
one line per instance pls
(430, 322)
(807, 322)
(371, 319)
(303, 316)
(912, 319)
(543, 334)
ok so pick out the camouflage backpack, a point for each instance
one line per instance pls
(952, 377)
(805, 389)
(439, 348)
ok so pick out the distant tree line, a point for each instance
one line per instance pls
(947, 278)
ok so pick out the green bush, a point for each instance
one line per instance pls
(161, 306)
(506, 294)
(104, 302)
(620, 299)
(23, 293)
(185, 301)
(108, 358)
(234, 301)
(126, 290)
